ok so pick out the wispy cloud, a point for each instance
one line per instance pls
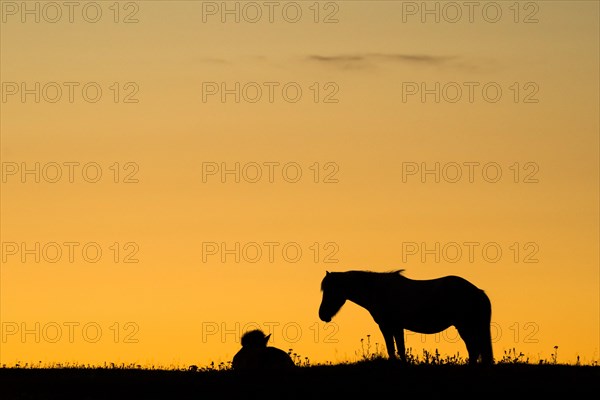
(355, 61)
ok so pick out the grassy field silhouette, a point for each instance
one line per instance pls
(372, 374)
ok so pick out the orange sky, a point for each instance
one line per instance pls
(332, 114)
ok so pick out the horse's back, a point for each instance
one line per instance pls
(277, 358)
(458, 283)
(454, 288)
(448, 284)
(446, 295)
(463, 301)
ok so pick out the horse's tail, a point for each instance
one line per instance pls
(486, 351)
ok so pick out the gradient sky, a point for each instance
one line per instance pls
(365, 128)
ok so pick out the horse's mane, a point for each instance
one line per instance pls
(255, 338)
(383, 276)
(366, 274)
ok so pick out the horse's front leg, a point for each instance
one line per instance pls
(399, 336)
(388, 336)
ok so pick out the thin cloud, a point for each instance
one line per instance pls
(365, 60)
(416, 58)
(335, 59)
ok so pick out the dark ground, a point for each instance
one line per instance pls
(361, 380)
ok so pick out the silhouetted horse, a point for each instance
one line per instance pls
(255, 355)
(424, 306)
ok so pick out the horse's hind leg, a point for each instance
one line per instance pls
(473, 347)
(485, 346)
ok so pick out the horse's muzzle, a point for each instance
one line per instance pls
(324, 319)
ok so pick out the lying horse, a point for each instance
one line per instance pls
(256, 355)
(429, 306)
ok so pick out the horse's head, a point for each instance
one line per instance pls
(333, 297)
(255, 338)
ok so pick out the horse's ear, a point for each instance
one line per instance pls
(267, 338)
(326, 272)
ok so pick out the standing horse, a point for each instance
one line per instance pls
(397, 303)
